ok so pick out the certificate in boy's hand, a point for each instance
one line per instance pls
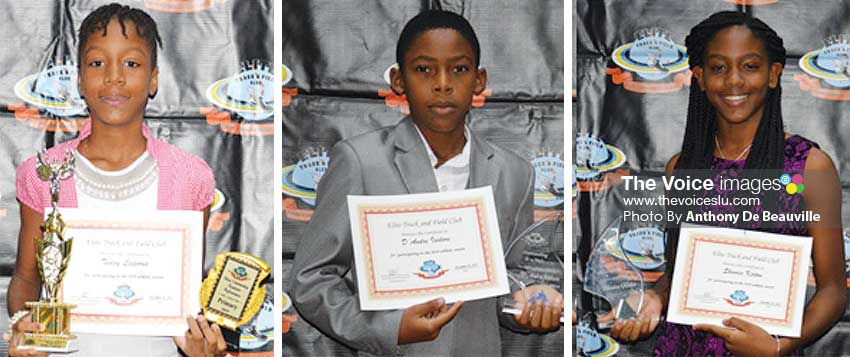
(132, 272)
(409, 249)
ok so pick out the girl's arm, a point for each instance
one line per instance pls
(26, 283)
(822, 195)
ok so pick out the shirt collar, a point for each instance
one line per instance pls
(459, 160)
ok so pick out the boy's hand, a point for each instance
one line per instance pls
(24, 325)
(423, 322)
(202, 339)
(539, 316)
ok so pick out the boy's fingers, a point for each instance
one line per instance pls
(444, 318)
(522, 318)
(427, 307)
(537, 314)
(546, 320)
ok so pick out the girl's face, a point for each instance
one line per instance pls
(116, 75)
(736, 74)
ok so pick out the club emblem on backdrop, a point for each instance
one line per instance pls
(248, 96)
(827, 70)
(301, 179)
(549, 179)
(660, 64)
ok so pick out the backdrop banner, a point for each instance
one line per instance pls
(629, 120)
(214, 55)
(336, 60)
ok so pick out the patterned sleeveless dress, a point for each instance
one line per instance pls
(683, 340)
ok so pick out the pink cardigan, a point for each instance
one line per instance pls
(185, 180)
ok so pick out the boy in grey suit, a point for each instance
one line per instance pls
(429, 151)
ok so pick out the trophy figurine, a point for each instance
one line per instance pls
(52, 253)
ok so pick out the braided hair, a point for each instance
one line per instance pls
(767, 151)
(768, 148)
(98, 20)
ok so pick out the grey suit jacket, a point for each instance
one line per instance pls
(392, 161)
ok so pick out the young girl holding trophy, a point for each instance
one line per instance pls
(119, 164)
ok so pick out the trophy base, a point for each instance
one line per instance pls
(49, 343)
(56, 337)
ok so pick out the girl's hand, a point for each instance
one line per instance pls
(202, 339)
(24, 325)
(642, 326)
(742, 338)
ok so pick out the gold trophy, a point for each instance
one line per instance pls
(233, 291)
(52, 253)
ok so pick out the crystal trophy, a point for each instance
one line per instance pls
(540, 277)
(611, 272)
(52, 254)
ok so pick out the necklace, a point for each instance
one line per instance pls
(723, 155)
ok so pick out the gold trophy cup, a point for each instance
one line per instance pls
(52, 253)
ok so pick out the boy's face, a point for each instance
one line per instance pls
(117, 75)
(439, 77)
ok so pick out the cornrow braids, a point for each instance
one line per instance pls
(98, 21)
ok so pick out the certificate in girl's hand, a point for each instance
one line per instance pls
(756, 276)
(132, 272)
(409, 249)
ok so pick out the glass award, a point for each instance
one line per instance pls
(539, 274)
(612, 273)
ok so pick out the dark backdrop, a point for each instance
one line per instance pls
(337, 53)
(203, 42)
(644, 119)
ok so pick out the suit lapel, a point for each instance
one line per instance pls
(482, 168)
(411, 160)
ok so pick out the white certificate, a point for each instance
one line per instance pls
(409, 249)
(133, 272)
(759, 277)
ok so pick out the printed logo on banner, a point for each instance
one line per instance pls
(596, 164)
(827, 70)
(181, 5)
(660, 64)
(218, 217)
(288, 93)
(245, 95)
(548, 184)
(752, 2)
(393, 100)
(52, 91)
(300, 180)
